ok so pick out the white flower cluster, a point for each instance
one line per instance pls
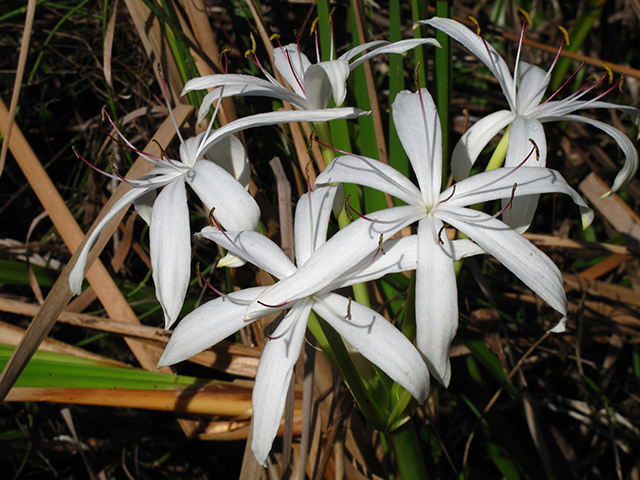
(354, 254)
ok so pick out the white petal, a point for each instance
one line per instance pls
(481, 49)
(395, 47)
(371, 173)
(144, 204)
(400, 256)
(170, 245)
(239, 86)
(436, 299)
(355, 51)
(235, 208)
(533, 82)
(287, 116)
(323, 79)
(77, 273)
(630, 167)
(312, 221)
(464, 248)
(231, 261)
(207, 325)
(522, 210)
(230, 154)
(253, 247)
(378, 341)
(292, 65)
(418, 125)
(345, 249)
(525, 260)
(487, 186)
(274, 376)
(470, 146)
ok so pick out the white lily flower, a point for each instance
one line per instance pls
(418, 126)
(367, 331)
(168, 214)
(311, 84)
(527, 112)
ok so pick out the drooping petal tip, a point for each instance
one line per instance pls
(561, 327)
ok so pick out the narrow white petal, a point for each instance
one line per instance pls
(77, 273)
(170, 245)
(323, 79)
(378, 341)
(436, 299)
(470, 146)
(395, 47)
(416, 119)
(630, 167)
(371, 173)
(264, 89)
(274, 376)
(516, 253)
(487, 186)
(254, 248)
(523, 130)
(481, 49)
(292, 65)
(355, 51)
(345, 249)
(400, 256)
(207, 325)
(312, 221)
(533, 82)
(235, 208)
(287, 116)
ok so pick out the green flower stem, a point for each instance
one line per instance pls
(406, 446)
(500, 153)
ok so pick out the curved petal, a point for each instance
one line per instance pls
(355, 51)
(400, 256)
(523, 130)
(323, 79)
(170, 245)
(77, 273)
(532, 83)
(416, 119)
(235, 208)
(312, 221)
(230, 154)
(470, 146)
(377, 340)
(230, 85)
(481, 49)
(516, 253)
(371, 173)
(395, 47)
(498, 183)
(274, 376)
(292, 65)
(345, 249)
(436, 299)
(274, 118)
(207, 325)
(630, 167)
(253, 247)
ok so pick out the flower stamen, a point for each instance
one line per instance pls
(348, 316)
(202, 279)
(347, 207)
(440, 235)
